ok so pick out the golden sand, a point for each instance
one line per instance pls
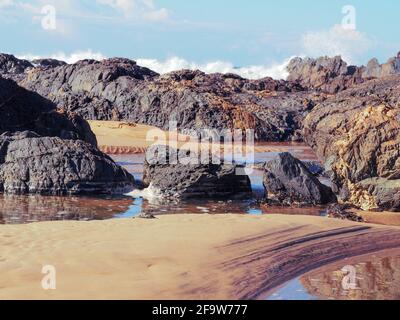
(177, 256)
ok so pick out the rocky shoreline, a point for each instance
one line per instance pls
(349, 115)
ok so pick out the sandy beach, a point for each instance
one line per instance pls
(177, 256)
(119, 137)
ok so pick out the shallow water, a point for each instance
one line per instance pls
(33, 208)
(372, 277)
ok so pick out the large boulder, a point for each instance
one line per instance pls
(357, 134)
(51, 165)
(173, 179)
(49, 151)
(287, 181)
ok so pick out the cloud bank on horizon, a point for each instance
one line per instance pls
(332, 42)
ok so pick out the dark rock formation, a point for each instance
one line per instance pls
(357, 133)
(11, 67)
(48, 63)
(50, 165)
(24, 110)
(173, 179)
(315, 168)
(50, 152)
(288, 181)
(119, 89)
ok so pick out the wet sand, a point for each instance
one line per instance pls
(177, 257)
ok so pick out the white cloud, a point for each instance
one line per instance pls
(69, 58)
(348, 43)
(138, 9)
(6, 3)
(276, 71)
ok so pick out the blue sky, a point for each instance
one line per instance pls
(189, 33)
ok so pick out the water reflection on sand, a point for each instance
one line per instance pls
(377, 277)
(16, 209)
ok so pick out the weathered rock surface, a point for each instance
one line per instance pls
(175, 180)
(48, 63)
(287, 181)
(24, 110)
(50, 152)
(50, 165)
(119, 89)
(329, 75)
(11, 67)
(357, 133)
(376, 70)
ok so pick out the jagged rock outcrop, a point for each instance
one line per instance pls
(376, 70)
(332, 75)
(166, 174)
(12, 67)
(287, 181)
(325, 74)
(50, 152)
(357, 133)
(119, 89)
(50, 165)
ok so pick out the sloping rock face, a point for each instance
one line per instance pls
(172, 179)
(24, 110)
(329, 75)
(357, 133)
(287, 181)
(49, 165)
(119, 89)
(50, 152)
